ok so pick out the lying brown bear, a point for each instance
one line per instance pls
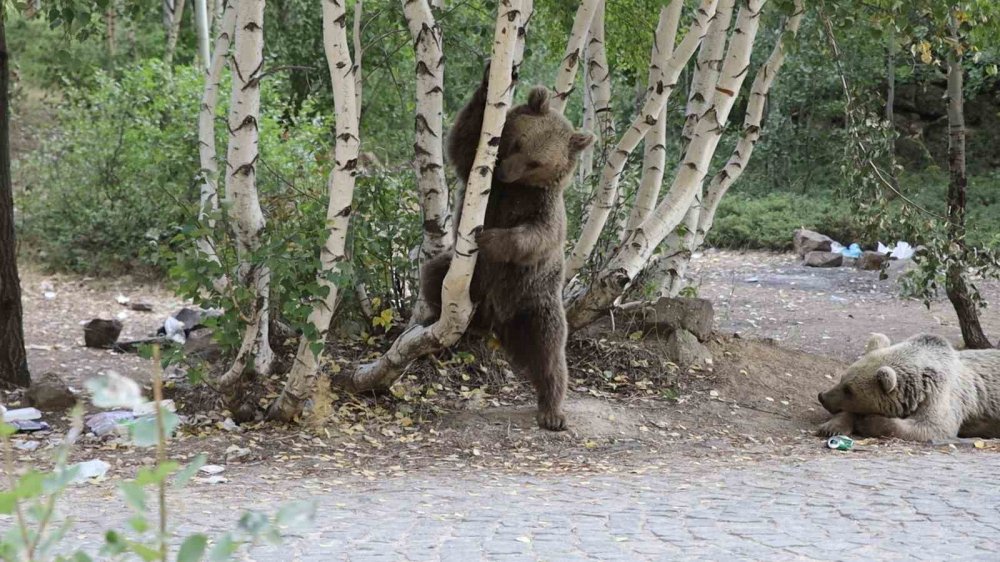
(920, 390)
(517, 284)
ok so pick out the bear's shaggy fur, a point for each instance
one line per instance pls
(921, 389)
(517, 284)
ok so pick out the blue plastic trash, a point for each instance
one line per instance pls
(852, 251)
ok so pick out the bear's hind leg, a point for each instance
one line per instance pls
(536, 343)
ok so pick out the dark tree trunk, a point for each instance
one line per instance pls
(13, 360)
(955, 283)
(890, 101)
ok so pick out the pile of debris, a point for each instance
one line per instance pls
(819, 250)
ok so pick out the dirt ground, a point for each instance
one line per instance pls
(784, 332)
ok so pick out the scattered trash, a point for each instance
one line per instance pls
(106, 423)
(903, 251)
(149, 408)
(216, 479)
(122, 300)
(174, 329)
(229, 425)
(28, 426)
(212, 469)
(49, 295)
(752, 280)
(26, 445)
(90, 469)
(840, 443)
(21, 414)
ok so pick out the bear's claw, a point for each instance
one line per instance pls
(552, 421)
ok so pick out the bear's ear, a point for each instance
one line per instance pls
(877, 341)
(538, 100)
(886, 377)
(579, 141)
(931, 340)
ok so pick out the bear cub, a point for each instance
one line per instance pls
(518, 280)
(920, 390)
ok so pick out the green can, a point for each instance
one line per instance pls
(840, 443)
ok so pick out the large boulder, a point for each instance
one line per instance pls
(683, 348)
(669, 314)
(871, 261)
(50, 393)
(101, 333)
(805, 241)
(824, 259)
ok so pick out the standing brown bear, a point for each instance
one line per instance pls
(517, 284)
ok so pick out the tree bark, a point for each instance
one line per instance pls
(209, 204)
(245, 213)
(600, 78)
(176, 15)
(13, 358)
(566, 76)
(201, 21)
(656, 99)
(110, 25)
(956, 285)
(632, 254)
(457, 308)
(707, 68)
(655, 144)
(302, 378)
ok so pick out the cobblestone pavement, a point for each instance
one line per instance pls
(854, 506)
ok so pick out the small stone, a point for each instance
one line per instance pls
(870, 261)
(805, 241)
(141, 307)
(683, 348)
(101, 333)
(50, 393)
(824, 259)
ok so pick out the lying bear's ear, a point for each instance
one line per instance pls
(538, 99)
(580, 141)
(886, 377)
(877, 341)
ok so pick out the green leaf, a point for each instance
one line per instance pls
(148, 476)
(147, 553)
(8, 502)
(114, 391)
(224, 548)
(6, 430)
(192, 549)
(253, 522)
(297, 514)
(143, 431)
(134, 494)
(139, 524)
(185, 475)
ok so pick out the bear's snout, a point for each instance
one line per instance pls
(826, 404)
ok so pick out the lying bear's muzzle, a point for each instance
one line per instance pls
(826, 404)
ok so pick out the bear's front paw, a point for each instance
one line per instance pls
(837, 425)
(552, 420)
(492, 244)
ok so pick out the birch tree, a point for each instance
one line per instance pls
(600, 77)
(566, 76)
(209, 204)
(655, 100)
(173, 31)
(201, 22)
(301, 379)
(245, 214)
(457, 308)
(633, 253)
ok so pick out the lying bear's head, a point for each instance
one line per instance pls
(538, 147)
(892, 380)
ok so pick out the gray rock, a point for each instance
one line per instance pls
(805, 241)
(871, 261)
(101, 333)
(201, 345)
(684, 349)
(50, 393)
(824, 259)
(680, 313)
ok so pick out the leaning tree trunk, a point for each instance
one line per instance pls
(245, 213)
(956, 285)
(457, 308)
(13, 359)
(302, 377)
(633, 253)
(654, 147)
(671, 268)
(201, 22)
(586, 167)
(566, 76)
(656, 98)
(209, 204)
(600, 78)
(176, 15)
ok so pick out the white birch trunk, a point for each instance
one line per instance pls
(656, 99)
(209, 204)
(525, 13)
(655, 144)
(600, 78)
(586, 167)
(634, 252)
(176, 15)
(566, 76)
(457, 308)
(201, 21)
(217, 13)
(302, 377)
(707, 67)
(359, 53)
(245, 213)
